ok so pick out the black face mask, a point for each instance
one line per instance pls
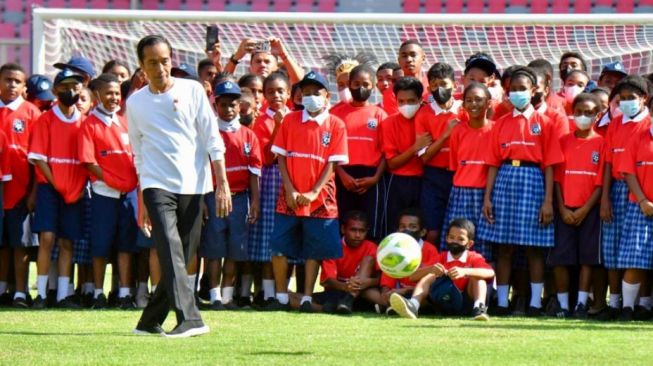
(68, 98)
(361, 94)
(247, 119)
(442, 95)
(415, 234)
(537, 98)
(455, 248)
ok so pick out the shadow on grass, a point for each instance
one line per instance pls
(542, 325)
(68, 334)
(280, 353)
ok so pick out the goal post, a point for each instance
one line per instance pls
(510, 39)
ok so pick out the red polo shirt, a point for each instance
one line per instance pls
(347, 266)
(582, 170)
(363, 132)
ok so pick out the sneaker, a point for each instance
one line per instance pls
(142, 300)
(38, 303)
(555, 311)
(244, 302)
(403, 306)
(533, 312)
(87, 300)
(188, 329)
(391, 312)
(100, 302)
(148, 330)
(519, 306)
(607, 314)
(641, 313)
(627, 314)
(345, 305)
(217, 306)
(259, 301)
(306, 307)
(231, 306)
(20, 302)
(6, 299)
(275, 305)
(112, 299)
(480, 313)
(68, 303)
(51, 298)
(126, 303)
(581, 311)
(501, 311)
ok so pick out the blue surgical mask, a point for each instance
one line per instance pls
(629, 107)
(520, 99)
(313, 103)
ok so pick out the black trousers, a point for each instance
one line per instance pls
(176, 227)
(370, 202)
(403, 192)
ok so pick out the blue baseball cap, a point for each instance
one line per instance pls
(66, 76)
(616, 67)
(78, 64)
(482, 62)
(314, 78)
(184, 70)
(226, 88)
(40, 87)
(446, 296)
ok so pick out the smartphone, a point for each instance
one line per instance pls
(211, 37)
(263, 46)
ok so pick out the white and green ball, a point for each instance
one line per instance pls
(399, 255)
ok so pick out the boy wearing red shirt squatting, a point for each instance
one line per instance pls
(456, 283)
(105, 151)
(16, 119)
(309, 145)
(60, 183)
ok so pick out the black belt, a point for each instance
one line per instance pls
(520, 163)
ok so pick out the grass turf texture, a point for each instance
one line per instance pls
(253, 338)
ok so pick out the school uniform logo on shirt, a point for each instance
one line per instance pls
(247, 149)
(19, 126)
(595, 157)
(536, 129)
(372, 123)
(326, 138)
(125, 138)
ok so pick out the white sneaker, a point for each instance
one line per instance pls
(186, 332)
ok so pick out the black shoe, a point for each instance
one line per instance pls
(68, 303)
(555, 311)
(533, 312)
(306, 307)
(217, 306)
(275, 305)
(345, 305)
(87, 300)
(51, 298)
(627, 314)
(329, 307)
(38, 303)
(244, 302)
(188, 329)
(231, 306)
(500, 311)
(641, 313)
(20, 303)
(112, 299)
(607, 314)
(404, 307)
(126, 303)
(519, 306)
(259, 300)
(6, 299)
(480, 313)
(148, 330)
(100, 302)
(581, 311)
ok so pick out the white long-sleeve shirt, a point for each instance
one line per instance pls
(173, 135)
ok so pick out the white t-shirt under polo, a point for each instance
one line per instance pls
(173, 135)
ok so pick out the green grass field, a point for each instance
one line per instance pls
(55, 337)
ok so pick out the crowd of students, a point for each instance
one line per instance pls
(503, 181)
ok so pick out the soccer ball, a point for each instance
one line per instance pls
(399, 255)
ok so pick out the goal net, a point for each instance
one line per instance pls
(510, 39)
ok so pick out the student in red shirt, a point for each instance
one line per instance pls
(518, 202)
(438, 120)
(340, 66)
(456, 284)
(552, 99)
(350, 281)
(633, 93)
(400, 147)
(60, 184)
(16, 119)
(504, 107)
(574, 84)
(385, 80)
(309, 144)
(609, 113)
(480, 67)
(389, 100)
(635, 253)
(578, 183)
(411, 58)
(561, 123)
(411, 222)
(467, 158)
(358, 184)
(105, 152)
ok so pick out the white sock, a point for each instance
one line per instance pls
(282, 297)
(646, 302)
(20, 295)
(268, 289)
(3, 287)
(214, 294)
(582, 297)
(192, 279)
(414, 302)
(227, 294)
(614, 301)
(123, 292)
(502, 295)
(142, 289)
(97, 292)
(478, 303)
(42, 285)
(153, 288)
(536, 294)
(629, 292)
(246, 285)
(306, 298)
(563, 299)
(62, 288)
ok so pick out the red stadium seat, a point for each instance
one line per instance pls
(625, 6)
(120, 4)
(150, 4)
(327, 6)
(304, 5)
(56, 3)
(172, 4)
(215, 5)
(475, 6)
(583, 6)
(194, 5)
(560, 6)
(411, 6)
(79, 4)
(536, 6)
(25, 30)
(7, 30)
(455, 6)
(497, 7)
(282, 5)
(99, 4)
(14, 5)
(260, 5)
(433, 6)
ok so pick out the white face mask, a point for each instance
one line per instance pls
(571, 92)
(496, 92)
(409, 110)
(344, 95)
(313, 103)
(583, 122)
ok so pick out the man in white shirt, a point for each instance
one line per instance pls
(175, 137)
